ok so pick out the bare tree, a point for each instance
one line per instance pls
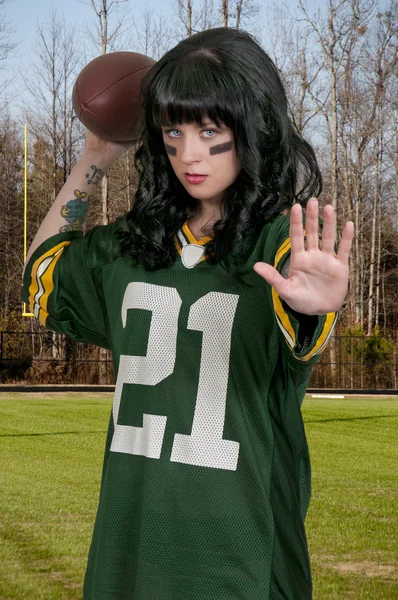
(234, 12)
(6, 31)
(108, 32)
(237, 13)
(152, 35)
(185, 15)
(7, 46)
(225, 12)
(11, 226)
(49, 82)
(297, 64)
(48, 112)
(333, 32)
(381, 61)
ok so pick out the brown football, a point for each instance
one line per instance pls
(107, 96)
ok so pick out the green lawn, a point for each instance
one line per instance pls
(51, 456)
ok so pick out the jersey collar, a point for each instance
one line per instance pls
(189, 248)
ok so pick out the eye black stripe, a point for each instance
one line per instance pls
(220, 148)
(171, 150)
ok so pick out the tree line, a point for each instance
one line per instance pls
(338, 61)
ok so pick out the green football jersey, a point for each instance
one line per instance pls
(206, 474)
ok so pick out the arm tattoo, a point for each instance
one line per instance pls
(95, 176)
(75, 211)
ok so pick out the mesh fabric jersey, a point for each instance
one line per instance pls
(206, 475)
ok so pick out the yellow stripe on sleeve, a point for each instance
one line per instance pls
(283, 321)
(282, 251)
(282, 316)
(42, 282)
(48, 284)
(323, 338)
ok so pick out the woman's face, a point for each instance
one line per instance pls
(209, 151)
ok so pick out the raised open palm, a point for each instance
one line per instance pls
(318, 279)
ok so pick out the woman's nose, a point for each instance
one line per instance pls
(192, 150)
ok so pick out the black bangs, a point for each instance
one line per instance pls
(192, 92)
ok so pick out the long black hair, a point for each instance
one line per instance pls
(225, 75)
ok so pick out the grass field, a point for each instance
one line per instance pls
(51, 456)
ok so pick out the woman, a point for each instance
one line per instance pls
(215, 314)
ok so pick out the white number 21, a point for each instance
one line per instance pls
(213, 314)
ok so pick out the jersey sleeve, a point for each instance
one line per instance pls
(62, 285)
(305, 336)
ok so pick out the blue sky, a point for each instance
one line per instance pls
(25, 15)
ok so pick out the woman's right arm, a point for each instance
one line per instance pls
(69, 209)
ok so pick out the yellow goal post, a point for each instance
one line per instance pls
(25, 312)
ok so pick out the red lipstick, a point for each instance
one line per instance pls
(195, 178)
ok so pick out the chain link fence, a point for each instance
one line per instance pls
(44, 357)
(357, 363)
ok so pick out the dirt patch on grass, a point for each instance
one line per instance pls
(364, 568)
(368, 568)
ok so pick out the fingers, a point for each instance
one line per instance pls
(346, 243)
(329, 230)
(312, 224)
(296, 228)
(312, 227)
(327, 245)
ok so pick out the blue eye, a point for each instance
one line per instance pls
(170, 131)
(212, 130)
